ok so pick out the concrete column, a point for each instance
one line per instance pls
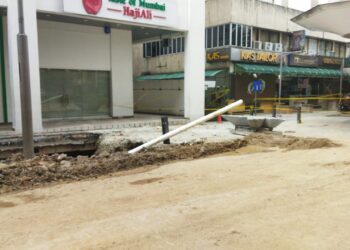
(32, 32)
(122, 73)
(31, 29)
(12, 31)
(195, 61)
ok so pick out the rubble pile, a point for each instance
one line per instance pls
(19, 174)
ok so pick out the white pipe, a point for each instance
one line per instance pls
(187, 126)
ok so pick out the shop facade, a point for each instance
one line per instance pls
(81, 60)
(243, 67)
(256, 32)
(302, 76)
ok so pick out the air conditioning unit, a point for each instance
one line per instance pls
(257, 45)
(330, 53)
(268, 46)
(278, 47)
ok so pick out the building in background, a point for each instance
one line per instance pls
(244, 40)
(81, 60)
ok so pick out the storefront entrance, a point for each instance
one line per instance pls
(75, 93)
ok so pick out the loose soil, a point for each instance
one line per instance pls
(18, 174)
(289, 142)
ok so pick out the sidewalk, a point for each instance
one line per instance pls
(139, 120)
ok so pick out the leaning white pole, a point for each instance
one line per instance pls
(187, 126)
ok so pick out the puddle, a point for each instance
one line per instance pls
(5, 204)
(147, 181)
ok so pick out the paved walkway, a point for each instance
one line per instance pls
(139, 120)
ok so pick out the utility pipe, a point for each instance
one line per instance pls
(187, 126)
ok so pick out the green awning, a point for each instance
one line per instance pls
(288, 71)
(172, 76)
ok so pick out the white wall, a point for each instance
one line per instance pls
(49, 6)
(71, 46)
(122, 76)
(160, 97)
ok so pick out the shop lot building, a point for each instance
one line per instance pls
(244, 41)
(80, 54)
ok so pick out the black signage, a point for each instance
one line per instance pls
(299, 40)
(331, 61)
(315, 61)
(302, 60)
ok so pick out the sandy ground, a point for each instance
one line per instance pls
(253, 199)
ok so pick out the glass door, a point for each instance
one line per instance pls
(75, 93)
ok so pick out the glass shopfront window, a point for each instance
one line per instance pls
(322, 48)
(239, 35)
(75, 93)
(234, 35)
(164, 47)
(221, 36)
(209, 33)
(342, 52)
(336, 49)
(229, 34)
(329, 48)
(215, 37)
(312, 48)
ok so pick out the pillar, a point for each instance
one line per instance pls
(195, 61)
(122, 73)
(12, 31)
(31, 30)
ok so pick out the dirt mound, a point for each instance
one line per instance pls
(288, 142)
(19, 174)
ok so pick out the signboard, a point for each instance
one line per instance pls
(220, 55)
(210, 84)
(254, 56)
(259, 56)
(302, 60)
(154, 12)
(257, 86)
(331, 61)
(298, 40)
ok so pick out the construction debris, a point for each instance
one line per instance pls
(19, 174)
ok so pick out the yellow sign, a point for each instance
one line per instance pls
(217, 56)
(331, 61)
(257, 56)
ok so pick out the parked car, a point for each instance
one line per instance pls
(344, 104)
